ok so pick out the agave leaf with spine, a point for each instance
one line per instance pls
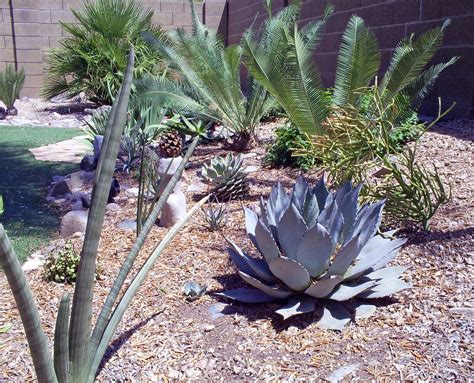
(327, 261)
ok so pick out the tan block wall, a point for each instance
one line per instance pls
(391, 20)
(35, 29)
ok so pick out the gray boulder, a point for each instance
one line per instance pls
(74, 222)
(98, 141)
(87, 163)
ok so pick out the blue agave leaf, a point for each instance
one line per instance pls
(332, 219)
(265, 242)
(297, 305)
(323, 287)
(347, 200)
(299, 193)
(274, 291)
(385, 287)
(314, 250)
(346, 292)
(246, 295)
(344, 258)
(321, 192)
(335, 317)
(367, 222)
(257, 268)
(291, 273)
(291, 229)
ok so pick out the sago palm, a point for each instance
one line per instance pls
(208, 81)
(282, 61)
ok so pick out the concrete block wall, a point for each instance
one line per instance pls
(391, 20)
(35, 28)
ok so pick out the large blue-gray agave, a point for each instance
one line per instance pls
(318, 247)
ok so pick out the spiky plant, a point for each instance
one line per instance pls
(319, 248)
(282, 61)
(78, 350)
(209, 82)
(215, 216)
(11, 83)
(228, 177)
(93, 56)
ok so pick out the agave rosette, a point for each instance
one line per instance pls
(318, 247)
(228, 175)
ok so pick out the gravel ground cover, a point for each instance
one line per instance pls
(420, 334)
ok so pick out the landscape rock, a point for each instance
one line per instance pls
(73, 222)
(132, 192)
(77, 206)
(87, 163)
(128, 224)
(60, 188)
(173, 210)
(114, 190)
(113, 207)
(98, 141)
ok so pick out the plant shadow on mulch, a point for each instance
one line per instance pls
(113, 347)
(419, 237)
(444, 129)
(254, 312)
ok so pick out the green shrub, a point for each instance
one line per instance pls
(61, 264)
(92, 59)
(282, 151)
(11, 83)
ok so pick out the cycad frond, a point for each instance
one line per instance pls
(357, 63)
(282, 61)
(410, 59)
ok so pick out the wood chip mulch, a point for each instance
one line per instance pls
(420, 334)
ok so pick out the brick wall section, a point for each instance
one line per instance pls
(391, 20)
(37, 29)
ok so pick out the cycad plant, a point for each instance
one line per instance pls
(317, 248)
(93, 58)
(78, 350)
(208, 82)
(282, 61)
(11, 83)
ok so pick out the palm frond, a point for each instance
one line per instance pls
(357, 63)
(410, 59)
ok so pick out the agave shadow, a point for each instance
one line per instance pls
(121, 339)
(420, 237)
(262, 311)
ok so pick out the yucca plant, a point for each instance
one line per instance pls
(11, 83)
(209, 82)
(282, 61)
(228, 176)
(78, 350)
(93, 57)
(318, 248)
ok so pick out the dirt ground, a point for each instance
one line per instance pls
(424, 333)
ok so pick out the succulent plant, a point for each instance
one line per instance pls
(319, 248)
(193, 291)
(215, 216)
(228, 176)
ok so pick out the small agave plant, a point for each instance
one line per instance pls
(319, 248)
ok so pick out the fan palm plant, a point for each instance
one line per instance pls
(209, 81)
(93, 58)
(282, 62)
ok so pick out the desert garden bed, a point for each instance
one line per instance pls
(424, 333)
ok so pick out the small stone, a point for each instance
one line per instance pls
(77, 206)
(128, 224)
(87, 163)
(132, 192)
(73, 222)
(113, 207)
(464, 311)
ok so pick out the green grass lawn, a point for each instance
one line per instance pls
(28, 219)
